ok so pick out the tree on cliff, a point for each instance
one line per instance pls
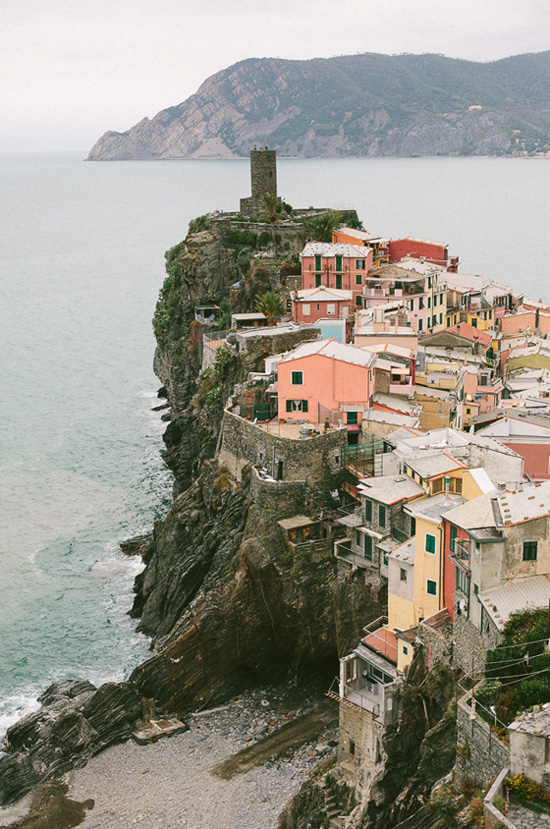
(270, 304)
(273, 213)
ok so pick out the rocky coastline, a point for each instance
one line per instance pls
(229, 606)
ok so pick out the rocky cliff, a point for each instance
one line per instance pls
(361, 105)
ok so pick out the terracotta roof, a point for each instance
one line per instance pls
(468, 332)
(382, 641)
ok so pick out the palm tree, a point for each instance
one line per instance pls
(270, 304)
(273, 208)
(320, 228)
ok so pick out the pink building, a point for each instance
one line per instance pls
(433, 252)
(340, 266)
(326, 381)
(313, 304)
(485, 391)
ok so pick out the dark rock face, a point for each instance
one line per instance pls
(75, 722)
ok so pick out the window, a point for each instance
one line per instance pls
(317, 263)
(357, 538)
(368, 510)
(463, 582)
(368, 547)
(358, 279)
(338, 263)
(421, 302)
(338, 281)
(297, 378)
(382, 515)
(357, 302)
(431, 587)
(296, 405)
(454, 532)
(318, 280)
(351, 670)
(529, 550)
(429, 302)
(434, 321)
(441, 319)
(351, 419)
(331, 309)
(483, 380)
(420, 323)
(474, 322)
(306, 310)
(359, 264)
(403, 574)
(405, 650)
(430, 543)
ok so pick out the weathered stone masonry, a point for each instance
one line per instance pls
(480, 753)
(314, 460)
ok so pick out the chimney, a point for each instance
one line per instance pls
(447, 490)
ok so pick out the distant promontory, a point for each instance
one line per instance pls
(359, 105)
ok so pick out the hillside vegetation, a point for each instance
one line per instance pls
(357, 105)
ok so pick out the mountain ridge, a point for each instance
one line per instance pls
(355, 105)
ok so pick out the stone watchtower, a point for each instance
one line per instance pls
(263, 177)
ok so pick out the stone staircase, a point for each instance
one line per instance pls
(336, 820)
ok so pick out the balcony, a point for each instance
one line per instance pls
(344, 552)
(364, 700)
(406, 389)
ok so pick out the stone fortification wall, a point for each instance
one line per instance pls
(315, 460)
(255, 347)
(480, 754)
(277, 496)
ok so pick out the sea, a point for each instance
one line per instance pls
(81, 263)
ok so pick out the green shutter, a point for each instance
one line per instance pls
(318, 280)
(304, 405)
(338, 263)
(289, 405)
(338, 281)
(317, 263)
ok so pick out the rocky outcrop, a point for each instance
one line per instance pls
(76, 721)
(229, 605)
(361, 105)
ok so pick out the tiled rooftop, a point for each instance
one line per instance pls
(335, 249)
(405, 552)
(526, 504)
(390, 489)
(331, 348)
(517, 594)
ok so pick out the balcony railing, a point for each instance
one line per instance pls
(362, 700)
(344, 552)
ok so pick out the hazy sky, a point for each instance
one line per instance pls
(72, 69)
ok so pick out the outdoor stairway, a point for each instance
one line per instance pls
(336, 820)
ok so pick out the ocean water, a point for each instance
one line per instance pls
(81, 263)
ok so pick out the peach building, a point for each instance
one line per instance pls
(340, 266)
(313, 304)
(326, 381)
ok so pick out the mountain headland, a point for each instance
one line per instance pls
(352, 106)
